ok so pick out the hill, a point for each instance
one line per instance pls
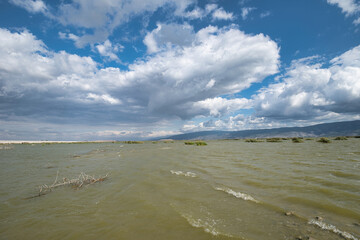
(349, 128)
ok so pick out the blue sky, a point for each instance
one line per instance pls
(136, 69)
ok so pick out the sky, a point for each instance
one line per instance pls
(139, 69)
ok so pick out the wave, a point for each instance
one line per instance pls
(181, 173)
(208, 225)
(243, 196)
(332, 228)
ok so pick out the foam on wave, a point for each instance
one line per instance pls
(181, 173)
(241, 195)
(332, 228)
(207, 225)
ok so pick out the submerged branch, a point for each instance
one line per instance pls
(79, 182)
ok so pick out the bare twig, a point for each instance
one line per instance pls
(79, 182)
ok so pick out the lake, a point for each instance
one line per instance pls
(229, 189)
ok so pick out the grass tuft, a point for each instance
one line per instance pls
(324, 140)
(340, 138)
(273, 140)
(253, 140)
(197, 143)
(133, 142)
(297, 140)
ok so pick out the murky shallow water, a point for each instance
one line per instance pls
(225, 190)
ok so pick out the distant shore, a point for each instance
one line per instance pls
(33, 142)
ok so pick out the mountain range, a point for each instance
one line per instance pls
(349, 128)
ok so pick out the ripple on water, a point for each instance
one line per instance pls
(240, 195)
(185, 174)
(345, 175)
(332, 228)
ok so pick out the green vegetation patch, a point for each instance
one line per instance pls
(273, 140)
(197, 143)
(324, 140)
(253, 140)
(340, 138)
(297, 140)
(200, 143)
(133, 142)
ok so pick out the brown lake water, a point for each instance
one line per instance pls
(225, 190)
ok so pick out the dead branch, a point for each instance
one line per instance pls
(77, 183)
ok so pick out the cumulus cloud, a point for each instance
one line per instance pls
(308, 90)
(32, 6)
(213, 9)
(357, 21)
(102, 17)
(165, 36)
(234, 123)
(107, 49)
(219, 106)
(221, 14)
(179, 82)
(349, 7)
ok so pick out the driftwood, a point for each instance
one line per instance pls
(79, 182)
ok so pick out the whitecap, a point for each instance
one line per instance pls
(241, 195)
(208, 225)
(181, 173)
(333, 229)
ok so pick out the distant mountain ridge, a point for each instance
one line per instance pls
(349, 128)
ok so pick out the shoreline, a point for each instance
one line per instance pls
(50, 142)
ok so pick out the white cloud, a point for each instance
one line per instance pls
(105, 16)
(309, 91)
(69, 36)
(219, 106)
(231, 58)
(108, 50)
(357, 21)
(32, 6)
(234, 123)
(213, 9)
(265, 14)
(103, 98)
(245, 11)
(209, 8)
(162, 86)
(196, 13)
(165, 36)
(26, 64)
(347, 6)
(221, 14)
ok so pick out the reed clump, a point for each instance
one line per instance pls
(253, 140)
(340, 138)
(197, 143)
(273, 140)
(82, 180)
(200, 143)
(297, 140)
(134, 142)
(324, 140)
